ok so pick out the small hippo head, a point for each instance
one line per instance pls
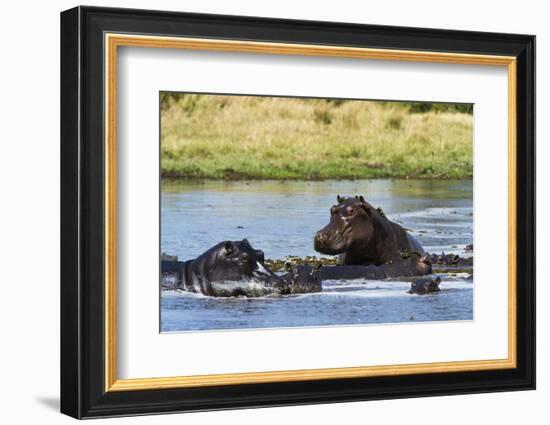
(237, 260)
(351, 223)
(422, 286)
(301, 279)
(445, 259)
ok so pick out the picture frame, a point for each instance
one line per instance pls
(90, 39)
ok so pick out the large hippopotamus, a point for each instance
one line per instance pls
(235, 268)
(362, 235)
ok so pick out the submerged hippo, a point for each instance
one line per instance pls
(234, 268)
(363, 235)
(423, 286)
(414, 265)
(451, 260)
(300, 280)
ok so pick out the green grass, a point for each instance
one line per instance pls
(245, 137)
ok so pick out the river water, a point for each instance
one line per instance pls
(281, 217)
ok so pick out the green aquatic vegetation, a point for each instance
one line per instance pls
(281, 265)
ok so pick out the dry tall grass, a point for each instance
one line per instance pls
(207, 136)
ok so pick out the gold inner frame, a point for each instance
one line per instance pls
(113, 41)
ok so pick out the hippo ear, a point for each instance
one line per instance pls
(340, 199)
(366, 208)
(437, 281)
(381, 211)
(228, 246)
(361, 198)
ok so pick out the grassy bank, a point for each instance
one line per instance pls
(243, 137)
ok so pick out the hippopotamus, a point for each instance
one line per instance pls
(451, 260)
(228, 261)
(423, 286)
(414, 265)
(300, 280)
(362, 235)
(235, 268)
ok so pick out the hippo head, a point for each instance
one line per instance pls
(351, 222)
(301, 279)
(423, 286)
(235, 261)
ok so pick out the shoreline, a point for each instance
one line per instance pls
(170, 177)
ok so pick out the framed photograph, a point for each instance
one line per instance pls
(261, 212)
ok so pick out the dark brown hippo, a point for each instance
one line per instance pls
(423, 286)
(226, 262)
(234, 268)
(300, 280)
(414, 265)
(451, 260)
(363, 235)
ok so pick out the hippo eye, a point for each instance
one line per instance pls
(260, 254)
(333, 210)
(244, 257)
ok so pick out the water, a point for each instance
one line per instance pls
(281, 218)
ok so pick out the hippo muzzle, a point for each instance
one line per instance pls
(330, 243)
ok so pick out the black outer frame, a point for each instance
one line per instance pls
(82, 212)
